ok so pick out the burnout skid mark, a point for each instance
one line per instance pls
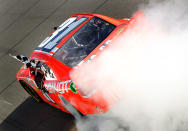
(61, 87)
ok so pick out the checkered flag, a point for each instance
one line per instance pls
(24, 60)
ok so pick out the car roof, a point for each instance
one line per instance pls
(116, 22)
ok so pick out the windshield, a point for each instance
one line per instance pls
(84, 41)
(69, 25)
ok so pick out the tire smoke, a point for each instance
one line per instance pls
(148, 68)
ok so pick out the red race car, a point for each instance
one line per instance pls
(45, 75)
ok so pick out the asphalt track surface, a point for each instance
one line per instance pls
(23, 25)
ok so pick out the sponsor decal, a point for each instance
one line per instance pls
(102, 46)
(90, 58)
(107, 24)
(81, 63)
(61, 87)
(105, 44)
(119, 31)
(72, 87)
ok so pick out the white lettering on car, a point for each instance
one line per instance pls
(61, 87)
(105, 44)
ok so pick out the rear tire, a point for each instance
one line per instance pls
(31, 91)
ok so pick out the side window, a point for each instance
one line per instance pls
(48, 73)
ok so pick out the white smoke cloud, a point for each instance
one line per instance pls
(148, 68)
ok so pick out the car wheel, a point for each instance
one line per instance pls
(31, 91)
